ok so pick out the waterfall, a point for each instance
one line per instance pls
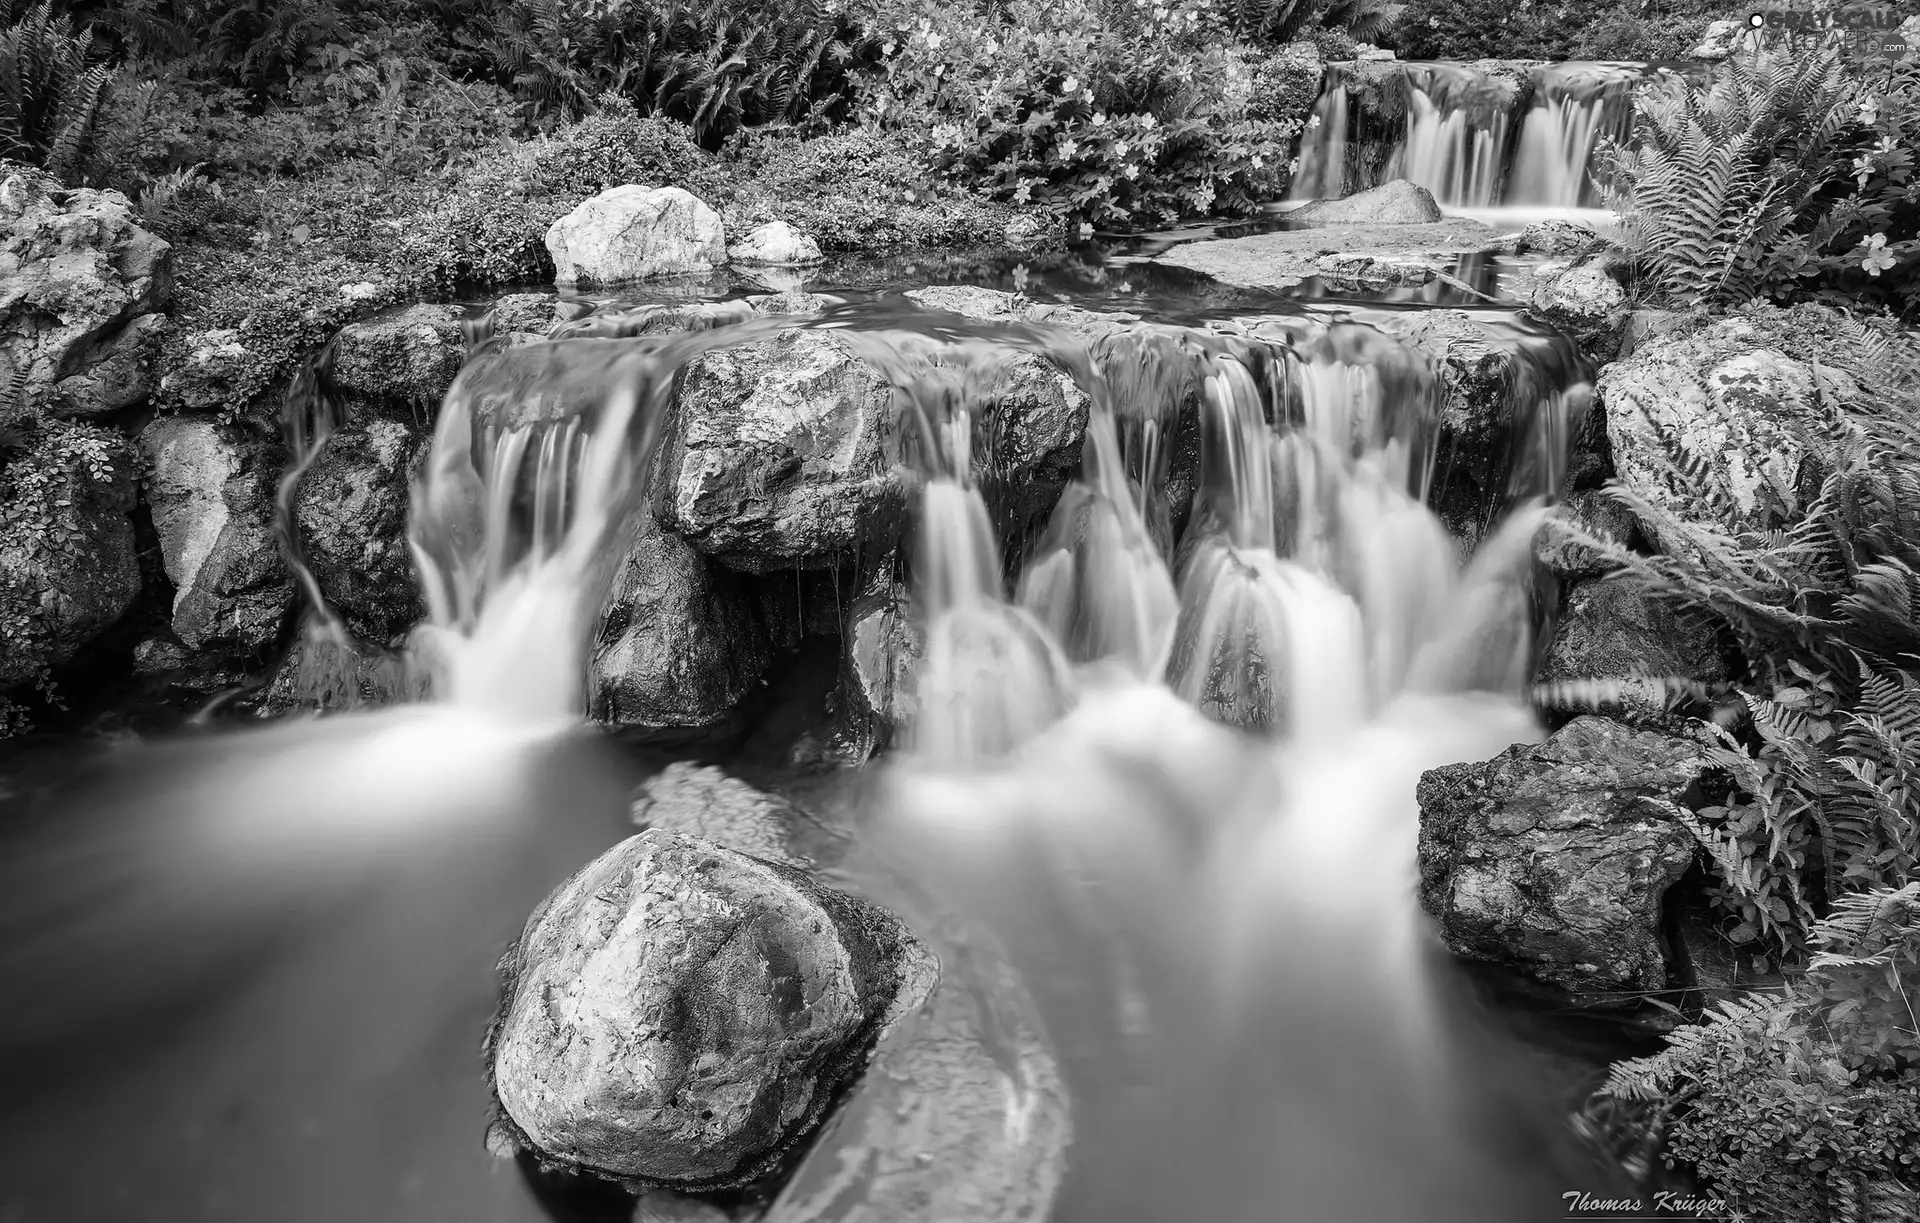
(1165, 755)
(1476, 135)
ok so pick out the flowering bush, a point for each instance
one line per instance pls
(1112, 111)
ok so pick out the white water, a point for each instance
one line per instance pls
(1459, 137)
(1175, 780)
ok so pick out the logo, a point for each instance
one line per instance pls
(1870, 30)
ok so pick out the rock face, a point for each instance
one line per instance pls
(1396, 202)
(680, 1015)
(1721, 397)
(79, 287)
(883, 645)
(211, 490)
(351, 511)
(636, 233)
(775, 244)
(1555, 859)
(784, 451)
(67, 567)
(408, 357)
(1611, 629)
(679, 646)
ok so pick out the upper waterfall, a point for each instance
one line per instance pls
(1477, 135)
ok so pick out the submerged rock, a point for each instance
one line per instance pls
(636, 233)
(211, 488)
(1554, 859)
(680, 1015)
(1396, 202)
(1555, 236)
(703, 801)
(80, 283)
(67, 566)
(1284, 259)
(678, 645)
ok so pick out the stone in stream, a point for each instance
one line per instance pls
(1555, 859)
(775, 244)
(1396, 202)
(702, 801)
(785, 452)
(351, 510)
(636, 233)
(678, 1015)
(679, 643)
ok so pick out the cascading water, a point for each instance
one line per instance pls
(1168, 767)
(1477, 137)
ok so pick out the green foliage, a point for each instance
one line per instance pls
(491, 227)
(1274, 22)
(716, 65)
(1572, 29)
(857, 189)
(1806, 1105)
(1105, 112)
(1786, 174)
(51, 90)
(51, 464)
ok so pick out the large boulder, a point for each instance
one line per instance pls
(680, 1015)
(780, 455)
(67, 567)
(1396, 202)
(679, 645)
(80, 284)
(1555, 859)
(211, 488)
(636, 233)
(351, 510)
(1699, 427)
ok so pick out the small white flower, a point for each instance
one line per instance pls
(1148, 121)
(1099, 119)
(1120, 150)
(933, 41)
(1067, 148)
(1132, 171)
(1313, 122)
(1258, 161)
(1070, 85)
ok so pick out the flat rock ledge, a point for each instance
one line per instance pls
(1284, 259)
(681, 1016)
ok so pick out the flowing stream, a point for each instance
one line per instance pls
(1165, 756)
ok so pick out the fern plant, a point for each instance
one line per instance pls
(1824, 756)
(717, 65)
(51, 90)
(1739, 186)
(1804, 1104)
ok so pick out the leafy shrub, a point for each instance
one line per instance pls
(51, 90)
(1572, 29)
(1806, 1105)
(1274, 22)
(1787, 174)
(859, 189)
(1106, 112)
(491, 227)
(716, 65)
